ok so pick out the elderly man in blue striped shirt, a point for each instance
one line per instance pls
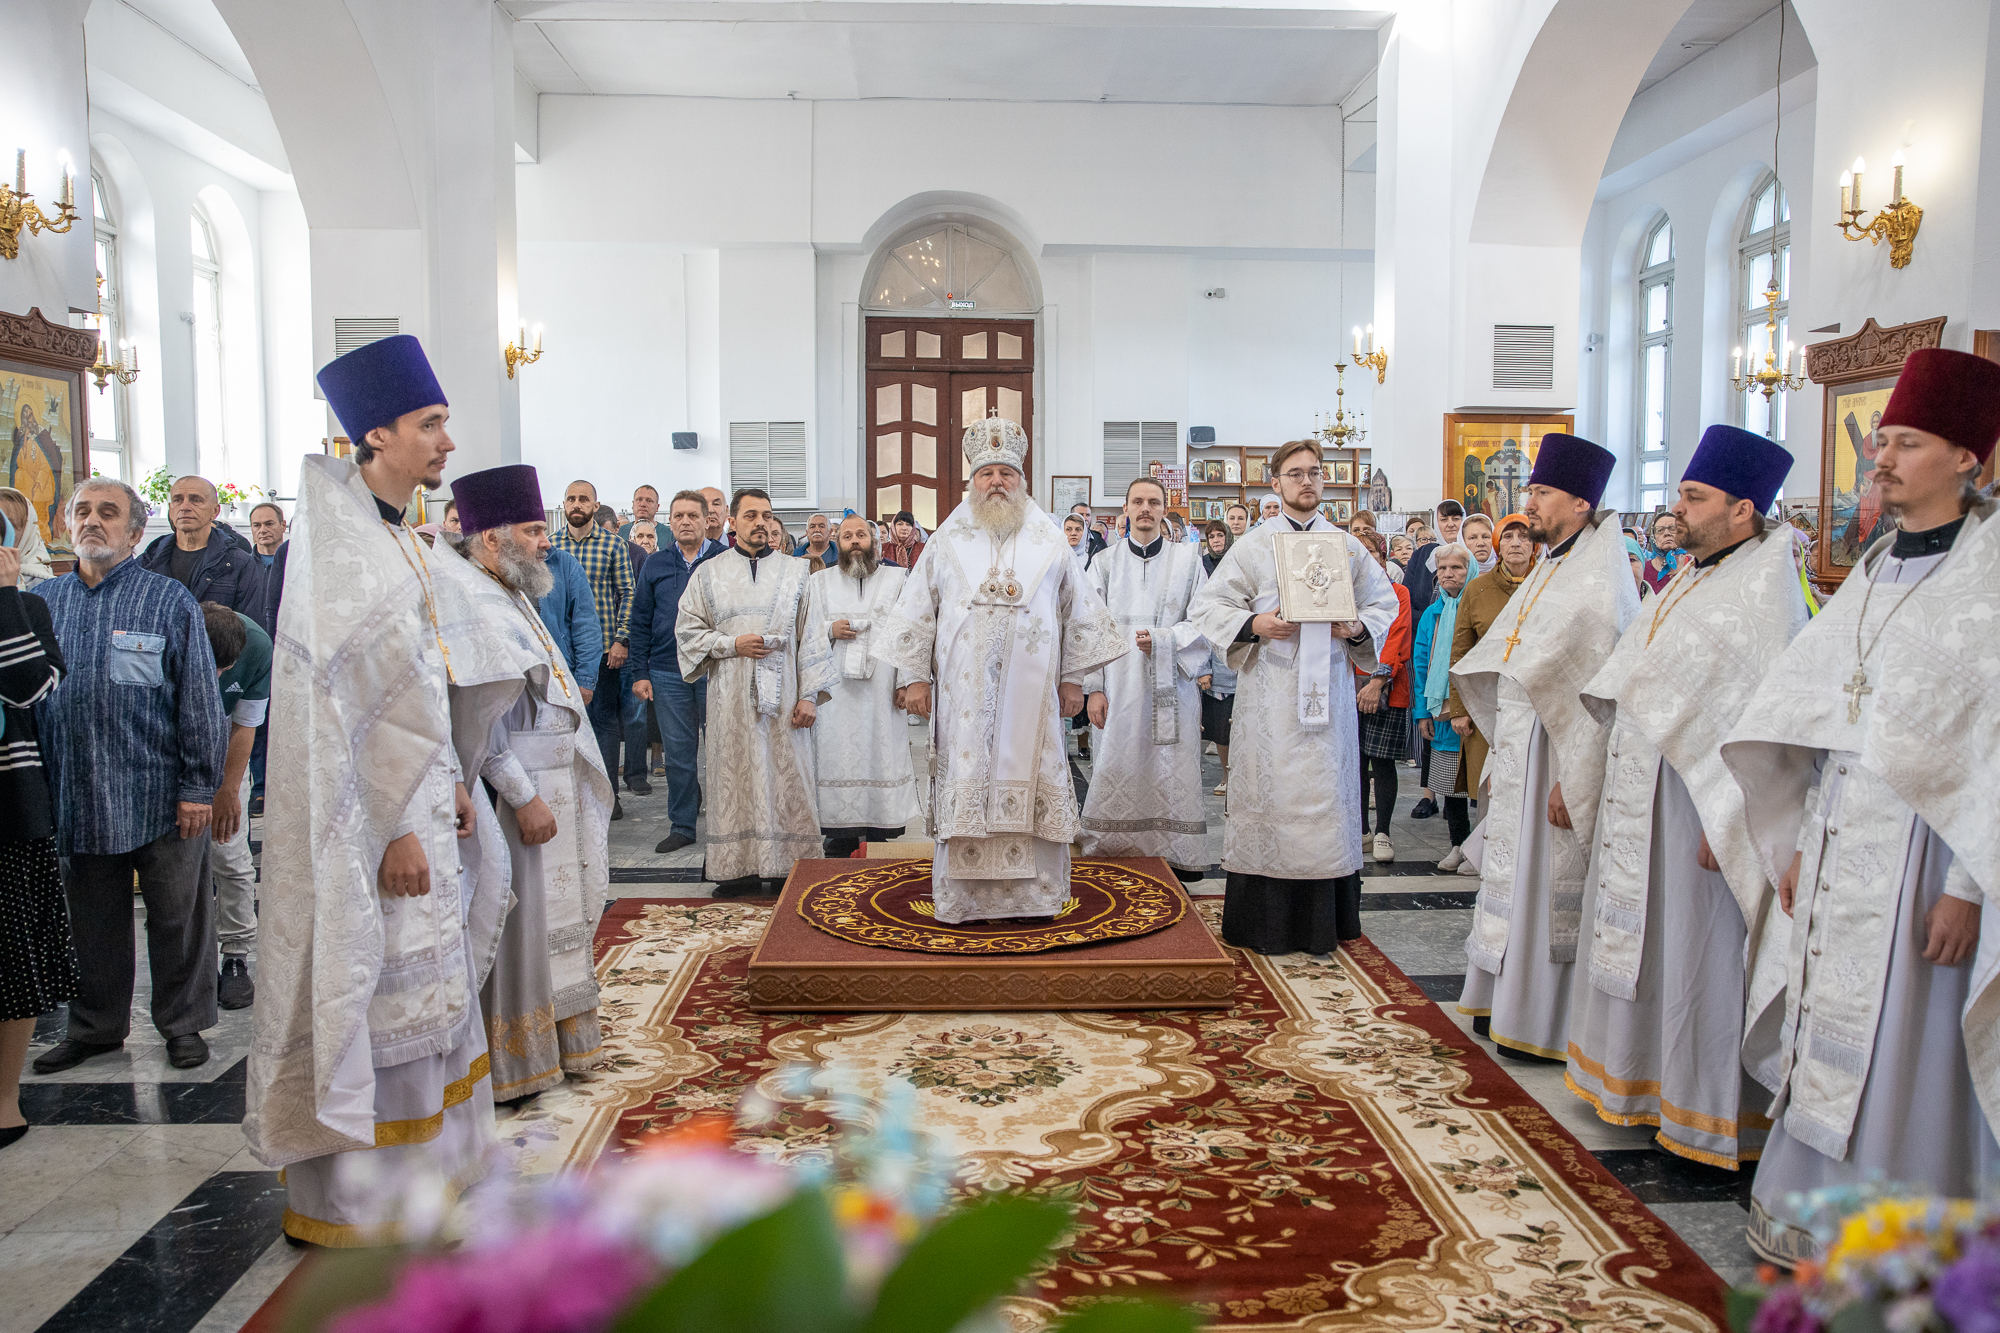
(135, 741)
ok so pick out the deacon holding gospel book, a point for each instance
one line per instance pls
(1292, 830)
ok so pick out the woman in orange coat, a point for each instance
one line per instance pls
(1383, 697)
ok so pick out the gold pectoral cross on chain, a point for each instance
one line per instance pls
(1511, 640)
(1856, 686)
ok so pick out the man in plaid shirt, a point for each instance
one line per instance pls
(602, 554)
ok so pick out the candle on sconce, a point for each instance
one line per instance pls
(1371, 339)
(521, 338)
(21, 171)
(1860, 165)
(1846, 189)
(538, 340)
(1737, 373)
(1357, 340)
(68, 181)
(1896, 193)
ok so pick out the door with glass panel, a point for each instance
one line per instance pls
(926, 380)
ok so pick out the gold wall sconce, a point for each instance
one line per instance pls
(18, 209)
(124, 368)
(517, 352)
(1374, 358)
(1896, 223)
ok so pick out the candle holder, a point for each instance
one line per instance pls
(18, 209)
(1772, 379)
(1375, 358)
(517, 353)
(1896, 224)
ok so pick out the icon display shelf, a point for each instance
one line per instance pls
(1348, 472)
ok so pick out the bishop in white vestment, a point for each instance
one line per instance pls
(1145, 794)
(1677, 897)
(1873, 749)
(1291, 841)
(516, 715)
(998, 618)
(747, 627)
(1523, 690)
(368, 1058)
(867, 788)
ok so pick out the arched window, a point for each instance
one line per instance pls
(208, 399)
(107, 405)
(942, 265)
(1767, 239)
(1656, 340)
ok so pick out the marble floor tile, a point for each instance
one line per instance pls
(1658, 1176)
(129, 1190)
(1429, 943)
(1715, 1232)
(48, 1160)
(1545, 1084)
(251, 1290)
(41, 1271)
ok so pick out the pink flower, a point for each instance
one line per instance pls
(1784, 1311)
(553, 1281)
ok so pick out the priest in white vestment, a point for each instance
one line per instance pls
(1677, 896)
(1145, 794)
(368, 1058)
(867, 788)
(1869, 756)
(516, 715)
(1291, 834)
(998, 618)
(747, 627)
(1522, 685)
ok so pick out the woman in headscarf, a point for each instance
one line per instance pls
(1215, 543)
(24, 535)
(1479, 606)
(1431, 665)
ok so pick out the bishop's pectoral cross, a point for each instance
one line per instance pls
(1856, 686)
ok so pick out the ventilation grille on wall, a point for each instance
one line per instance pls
(349, 334)
(1524, 357)
(1132, 447)
(1160, 442)
(771, 456)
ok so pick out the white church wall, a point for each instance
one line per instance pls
(42, 104)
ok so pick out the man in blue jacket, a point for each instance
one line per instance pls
(655, 662)
(570, 612)
(207, 558)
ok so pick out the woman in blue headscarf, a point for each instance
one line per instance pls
(1437, 625)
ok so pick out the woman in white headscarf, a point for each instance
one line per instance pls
(25, 536)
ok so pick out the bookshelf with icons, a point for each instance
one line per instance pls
(1219, 474)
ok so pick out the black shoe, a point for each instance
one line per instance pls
(257, 805)
(1189, 876)
(747, 887)
(1347, 908)
(639, 786)
(299, 1244)
(187, 1052)
(1525, 1057)
(68, 1054)
(235, 989)
(12, 1135)
(1426, 809)
(617, 808)
(673, 842)
(1482, 1026)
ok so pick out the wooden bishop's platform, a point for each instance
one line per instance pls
(800, 967)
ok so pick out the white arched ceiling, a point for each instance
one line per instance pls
(1563, 112)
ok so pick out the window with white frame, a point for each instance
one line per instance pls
(107, 405)
(208, 388)
(1766, 240)
(1656, 341)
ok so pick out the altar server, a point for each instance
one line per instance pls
(867, 790)
(1291, 842)
(1873, 748)
(1145, 784)
(746, 626)
(999, 618)
(1522, 686)
(517, 715)
(1678, 896)
(368, 1059)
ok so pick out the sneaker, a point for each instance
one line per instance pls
(1384, 850)
(673, 842)
(1221, 788)
(1425, 809)
(1466, 868)
(235, 989)
(1453, 859)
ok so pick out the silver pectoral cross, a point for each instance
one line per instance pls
(1856, 686)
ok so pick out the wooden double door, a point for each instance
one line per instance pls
(927, 380)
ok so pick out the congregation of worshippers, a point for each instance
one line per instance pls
(1724, 879)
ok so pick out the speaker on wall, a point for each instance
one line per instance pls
(1201, 435)
(685, 439)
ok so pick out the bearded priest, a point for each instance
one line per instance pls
(747, 627)
(1868, 759)
(1291, 843)
(1678, 895)
(999, 618)
(368, 1057)
(867, 790)
(1522, 685)
(516, 715)
(1145, 795)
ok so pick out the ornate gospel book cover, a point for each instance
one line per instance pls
(1314, 581)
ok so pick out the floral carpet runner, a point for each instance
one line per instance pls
(1331, 1152)
(888, 904)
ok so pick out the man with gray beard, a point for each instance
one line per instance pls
(867, 790)
(999, 619)
(543, 802)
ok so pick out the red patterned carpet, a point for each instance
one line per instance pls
(1331, 1151)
